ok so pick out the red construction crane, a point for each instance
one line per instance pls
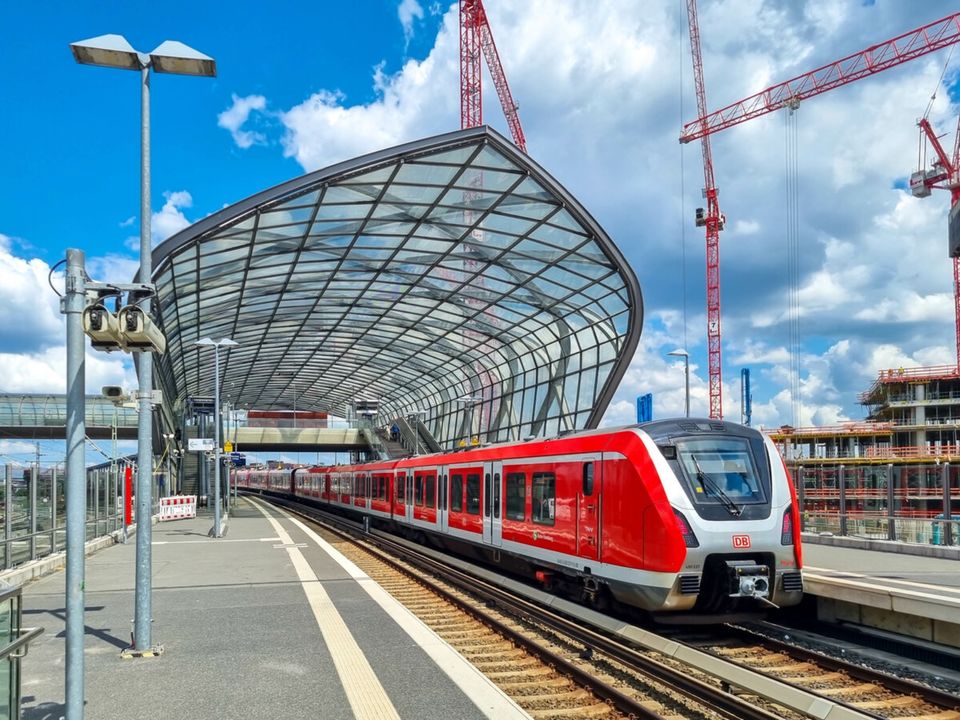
(475, 35)
(876, 58)
(712, 219)
(944, 175)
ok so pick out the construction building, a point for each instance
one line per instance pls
(894, 474)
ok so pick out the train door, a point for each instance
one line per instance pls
(408, 514)
(588, 507)
(492, 521)
(442, 491)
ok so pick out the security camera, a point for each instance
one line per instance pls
(139, 332)
(102, 327)
(112, 391)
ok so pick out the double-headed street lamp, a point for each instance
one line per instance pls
(679, 352)
(470, 401)
(227, 343)
(169, 57)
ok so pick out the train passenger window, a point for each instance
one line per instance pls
(418, 489)
(588, 479)
(496, 495)
(430, 496)
(544, 498)
(383, 488)
(473, 493)
(516, 492)
(456, 493)
(400, 486)
(443, 492)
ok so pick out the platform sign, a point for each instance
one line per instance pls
(238, 459)
(200, 444)
(645, 408)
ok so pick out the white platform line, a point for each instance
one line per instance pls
(367, 697)
(480, 689)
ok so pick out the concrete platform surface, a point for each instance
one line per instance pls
(268, 621)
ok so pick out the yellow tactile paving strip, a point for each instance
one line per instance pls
(367, 697)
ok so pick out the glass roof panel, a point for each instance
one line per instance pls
(446, 267)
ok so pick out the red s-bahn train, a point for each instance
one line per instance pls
(672, 515)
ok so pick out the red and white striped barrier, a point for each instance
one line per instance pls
(178, 507)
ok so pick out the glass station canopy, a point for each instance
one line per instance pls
(451, 277)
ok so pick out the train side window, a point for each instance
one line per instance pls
(383, 488)
(443, 492)
(588, 479)
(430, 496)
(486, 495)
(400, 486)
(418, 489)
(496, 495)
(456, 493)
(544, 498)
(473, 493)
(516, 492)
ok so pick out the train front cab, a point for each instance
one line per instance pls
(736, 513)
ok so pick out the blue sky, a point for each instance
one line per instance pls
(603, 87)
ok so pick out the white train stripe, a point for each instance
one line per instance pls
(488, 698)
(367, 697)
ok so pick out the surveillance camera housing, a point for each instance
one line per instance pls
(112, 391)
(139, 332)
(102, 327)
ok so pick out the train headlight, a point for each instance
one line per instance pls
(786, 527)
(689, 539)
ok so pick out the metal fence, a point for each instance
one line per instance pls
(909, 530)
(34, 510)
(904, 503)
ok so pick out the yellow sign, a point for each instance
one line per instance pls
(228, 446)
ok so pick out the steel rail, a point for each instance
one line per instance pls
(926, 693)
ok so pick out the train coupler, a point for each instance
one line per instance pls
(747, 579)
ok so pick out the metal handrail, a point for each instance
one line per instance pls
(26, 636)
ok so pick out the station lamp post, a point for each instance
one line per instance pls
(470, 401)
(679, 352)
(227, 343)
(175, 58)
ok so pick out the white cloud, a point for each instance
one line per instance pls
(31, 311)
(128, 222)
(46, 371)
(236, 116)
(408, 11)
(170, 218)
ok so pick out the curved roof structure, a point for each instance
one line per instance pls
(450, 276)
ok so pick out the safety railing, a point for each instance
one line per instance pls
(15, 641)
(925, 531)
(34, 511)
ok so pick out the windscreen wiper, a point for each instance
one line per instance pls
(708, 482)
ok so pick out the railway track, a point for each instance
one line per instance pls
(557, 666)
(862, 687)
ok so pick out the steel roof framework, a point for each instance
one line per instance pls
(446, 268)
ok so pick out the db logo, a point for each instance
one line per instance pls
(741, 542)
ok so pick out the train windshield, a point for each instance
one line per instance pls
(721, 471)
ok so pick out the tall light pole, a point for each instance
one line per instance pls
(176, 58)
(470, 401)
(223, 342)
(679, 352)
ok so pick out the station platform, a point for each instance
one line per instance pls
(893, 591)
(268, 621)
